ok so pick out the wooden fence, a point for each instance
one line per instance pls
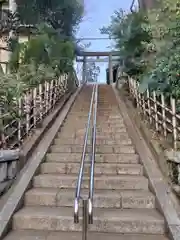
(30, 110)
(160, 113)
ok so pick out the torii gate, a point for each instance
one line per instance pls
(98, 55)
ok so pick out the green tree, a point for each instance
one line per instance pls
(63, 15)
(164, 75)
(45, 48)
(132, 39)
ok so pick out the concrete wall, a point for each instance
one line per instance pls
(5, 54)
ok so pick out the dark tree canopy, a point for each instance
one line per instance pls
(63, 15)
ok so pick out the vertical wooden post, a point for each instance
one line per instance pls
(163, 115)
(129, 85)
(55, 91)
(174, 122)
(3, 141)
(40, 102)
(149, 105)
(110, 69)
(155, 111)
(144, 105)
(132, 87)
(139, 96)
(51, 94)
(34, 106)
(136, 93)
(59, 88)
(64, 83)
(47, 96)
(19, 122)
(27, 107)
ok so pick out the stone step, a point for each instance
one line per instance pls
(123, 141)
(145, 221)
(110, 124)
(76, 117)
(104, 121)
(79, 114)
(102, 198)
(80, 128)
(81, 133)
(105, 168)
(112, 136)
(126, 182)
(106, 112)
(84, 114)
(59, 148)
(100, 128)
(101, 158)
(50, 235)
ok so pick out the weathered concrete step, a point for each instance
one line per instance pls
(81, 134)
(100, 168)
(59, 148)
(104, 121)
(99, 113)
(126, 182)
(102, 198)
(123, 141)
(112, 111)
(101, 158)
(106, 111)
(76, 117)
(50, 235)
(108, 124)
(105, 220)
(109, 130)
(78, 114)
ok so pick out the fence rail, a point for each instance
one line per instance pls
(160, 113)
(30, 110)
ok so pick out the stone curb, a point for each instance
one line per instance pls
(156, 180)
(15, 199)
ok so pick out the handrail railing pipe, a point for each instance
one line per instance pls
(87, 215)
(80, 176)
(91, 183)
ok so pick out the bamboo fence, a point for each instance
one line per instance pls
(160, 114)
(30, 111)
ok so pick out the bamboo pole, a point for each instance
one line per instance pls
(174, 122)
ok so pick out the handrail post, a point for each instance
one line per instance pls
(85, 219)
(76, 209)
(90, 211)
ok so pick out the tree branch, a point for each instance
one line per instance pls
(132, 5)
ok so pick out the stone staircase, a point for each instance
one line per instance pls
(124, 208)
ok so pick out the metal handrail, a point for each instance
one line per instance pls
(87, 202)
(81, 171)
(93, 154)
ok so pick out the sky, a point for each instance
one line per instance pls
(98, 14)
